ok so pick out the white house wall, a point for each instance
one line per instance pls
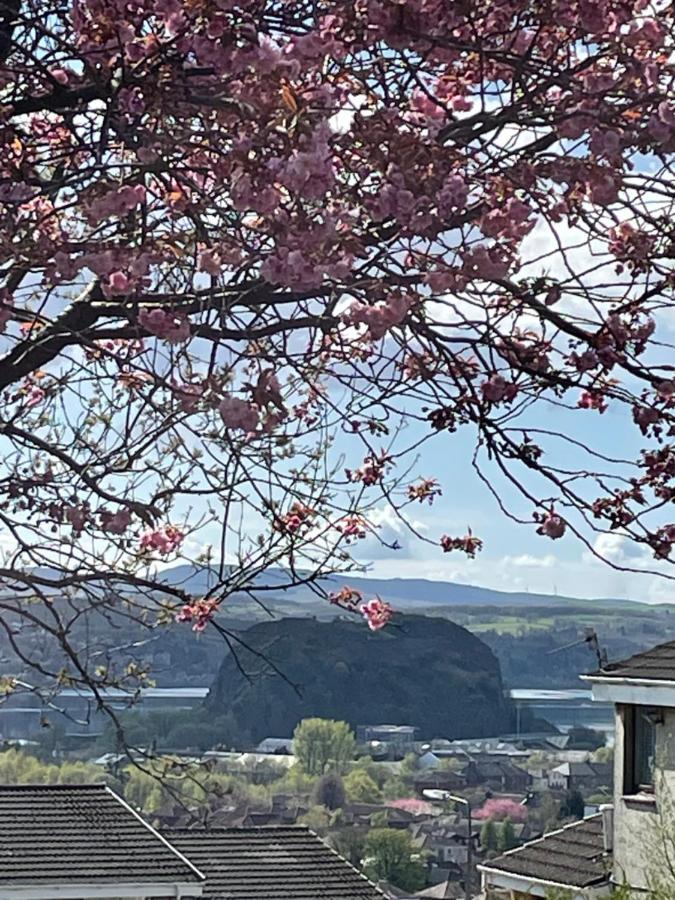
(639, 826)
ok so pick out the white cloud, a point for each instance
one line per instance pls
(526, 560)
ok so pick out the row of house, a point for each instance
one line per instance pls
(85, 842)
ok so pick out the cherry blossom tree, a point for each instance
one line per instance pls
(255, 254)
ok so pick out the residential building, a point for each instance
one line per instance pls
(397, 739)
(580, 776)
(575, 859)
(279, 746)
(496, 774)
(629, 843)
(438, 780)
(85, 842)
(271, 864)
(642, 689)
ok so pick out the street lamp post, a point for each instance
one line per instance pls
(469, 846)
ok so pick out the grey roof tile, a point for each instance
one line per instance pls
(574, 855)
(271, 863)
(64, 834)
(657, 663)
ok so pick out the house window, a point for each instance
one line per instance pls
(640, 748)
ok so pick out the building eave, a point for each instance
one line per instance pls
(639, 691)
(110, 891)
(540, 887)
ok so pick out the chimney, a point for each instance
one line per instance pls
(607, 813)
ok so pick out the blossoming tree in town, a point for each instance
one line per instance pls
(254, 254)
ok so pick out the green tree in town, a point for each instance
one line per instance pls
(391, 856)
(361, 788)
(317, 818)
(572, 806)
(323, 745)
(349, 843)
(488, 835)
(506, 836)
(330, 791)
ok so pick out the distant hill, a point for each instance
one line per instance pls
(404, 593)
(419, 671)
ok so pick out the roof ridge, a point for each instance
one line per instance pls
(230, 829)
(154, 832)
(91, 786)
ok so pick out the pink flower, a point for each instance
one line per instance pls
(352, 528)
(552, 525)
(500, 808)
(496, 389)
(239, 414)
(163, 540)
(200, 613)
(209, 261)
(77, 516)
(115, 523)
(585, 361)
(377, 613)
(592, 400)
(60, 75)
(644, 416)
(467, 544)
(118, 283)
(169, 326)
(188, 395)
(348, 598)
(34, 396)
(380, 317)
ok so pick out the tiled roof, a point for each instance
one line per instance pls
(574, 856)
(63, 834)
(273, 863)
(657, 663)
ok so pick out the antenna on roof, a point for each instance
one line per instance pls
(590, 638)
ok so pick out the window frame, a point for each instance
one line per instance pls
(634, 718)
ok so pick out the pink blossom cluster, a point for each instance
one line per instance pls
(348, 598)
(452, 196)
(425, 490)
(117, 202)
(239, 414)
(352, 528)
(373, 469)
(550, 524)
(511, 220)
(593, 399)
(496, 389)
(308, 171)
(380, 317)
(115, 523)
(200, 613)
(163, 540)
(299, 516)
(165, 324)
(77, 515)
(487, 263)
(468, 544)
(188, 395)
(663, 541)
(499, 808)
(377, 613)
(631, 245)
